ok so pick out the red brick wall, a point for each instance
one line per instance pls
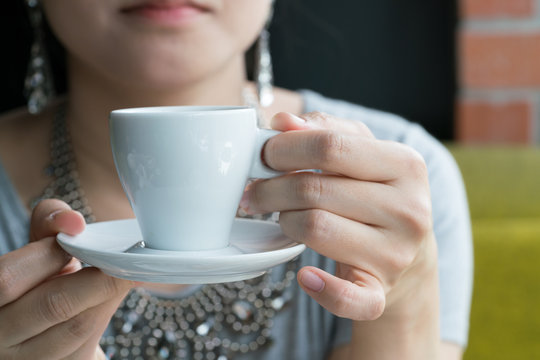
(499, 72)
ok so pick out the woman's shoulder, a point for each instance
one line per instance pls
(23, 133)
(18, 124)
(11, 119)
(12, 129)
(13, 162)
(24, 141)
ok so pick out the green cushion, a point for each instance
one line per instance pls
(504, 198)
(505, 316)
(501, 182)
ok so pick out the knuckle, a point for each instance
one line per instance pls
(397, 262)
(330, 147)
(416, 217)
(342, 303)
(309, 189)
(111, 287)
(318, 116)
(375, 306)
(423, 222)
(363, 308)
(414, 163)
(317, 225)
(78, 326)
(7, 282)
(56, 306)
(363, 129)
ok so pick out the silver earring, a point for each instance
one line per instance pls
(264, 76)
(38, 84)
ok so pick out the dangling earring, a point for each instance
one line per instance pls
(264, 76)
(38, 84)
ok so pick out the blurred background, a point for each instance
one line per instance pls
(469, 72)
(466, 70)
(398, 56)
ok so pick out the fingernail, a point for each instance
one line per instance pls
(55, 213)
(244, 204)
(312, 281)
(298, 119)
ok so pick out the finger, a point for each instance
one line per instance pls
(372, 249)
(73, 266)
(354, 156)
(367, 202)
(25, 268)
(56, 301)
(52, 216)
(361, 300)
(316, 120)
(340, 239)
(75, 338)
(407, 212)
(91, 349)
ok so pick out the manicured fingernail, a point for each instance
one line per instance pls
(312, 281)
(244, 204)
(298, 119)
(55, 213)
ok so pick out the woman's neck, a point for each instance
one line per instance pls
(92, 96)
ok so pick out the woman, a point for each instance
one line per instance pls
(372, 230)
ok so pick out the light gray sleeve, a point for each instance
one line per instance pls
(14, 221)
(451, 222)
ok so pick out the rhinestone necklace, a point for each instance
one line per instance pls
(65, 183)
(214, 322)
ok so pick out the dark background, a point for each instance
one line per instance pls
(393, 55)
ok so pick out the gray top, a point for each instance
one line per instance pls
(304, 330)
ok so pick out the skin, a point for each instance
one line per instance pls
(369, 210)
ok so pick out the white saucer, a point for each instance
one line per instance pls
(255, 246)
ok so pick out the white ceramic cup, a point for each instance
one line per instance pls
(184, 169)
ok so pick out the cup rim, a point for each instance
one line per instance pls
(179, 109)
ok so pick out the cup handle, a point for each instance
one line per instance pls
(258, 169)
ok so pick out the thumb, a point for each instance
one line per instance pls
(52, 216)
(285, 121)
(356, 301)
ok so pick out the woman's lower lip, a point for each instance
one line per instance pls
(171, 15)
